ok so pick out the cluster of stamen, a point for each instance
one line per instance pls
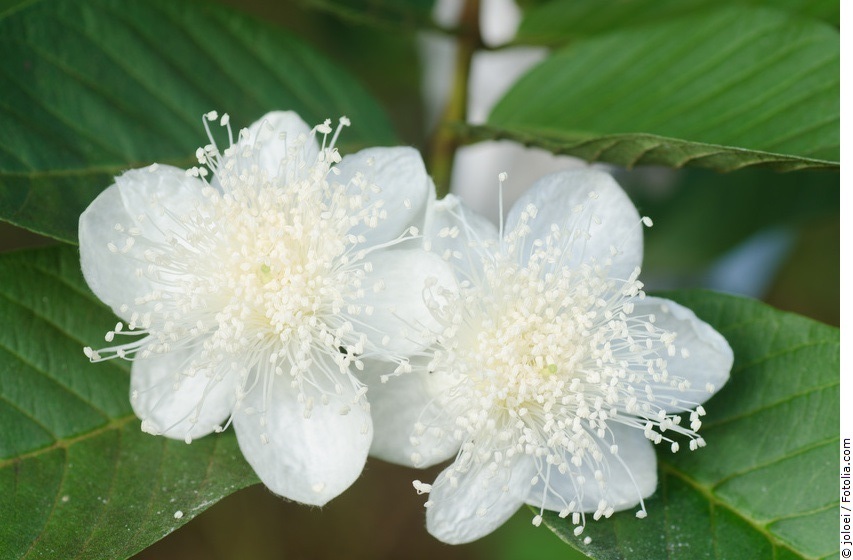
(263, 277)
(544, 358)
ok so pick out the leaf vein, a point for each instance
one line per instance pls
(53, 506)
(760, 466)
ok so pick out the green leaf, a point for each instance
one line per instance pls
(8, 7)
(382, 13)
(561, 21)
(383, 33)
(93, 88)
(723, 90)
(766, 485)
(77, 476)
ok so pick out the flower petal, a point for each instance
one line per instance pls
(478, 503)
(708, 360)
(310, 460)
(275, 135)
(176, 404)
(123, 222)
(628, 476)
(395, 288)
(460, 236)
(595, 217)
(396, 406)
(157, 197)
(406, 191)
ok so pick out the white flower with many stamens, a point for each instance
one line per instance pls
(249, 287)
(552, 374)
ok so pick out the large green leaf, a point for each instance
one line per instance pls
(766, 485)
(93, 88)
(724, 89)
(380, 31)
(559, 21)
(78, 479)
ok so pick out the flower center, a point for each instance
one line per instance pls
(538, 340)
(273, 269)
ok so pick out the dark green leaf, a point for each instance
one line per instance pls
(723, 90)
(395, 83)
(561, 21)
(77, 476)
(8, 7)
(385, 13)
(765, 486)
(94, 88)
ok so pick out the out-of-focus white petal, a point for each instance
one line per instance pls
(127, 219)
(446, 13)
(492, 75)
(437, 51)
(476, 168)
(397, 406)
(176, 404)
(396, 290)
(703, 357)
(460, 236)
(499, 20)
(477, 503)
(627, 476)
(309, 460)
(276, 133)
(593, 213)
(406, 190)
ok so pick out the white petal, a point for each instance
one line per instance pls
(709, 357)
(111, 257)
(277, 133)
(396, 406)
(406, 190)
(608, 218)
(174, 404)
(628, 476)
(480, 503)
(157, 197)
(476, 168)
(460, 236)
(396, 289)
(309, 460)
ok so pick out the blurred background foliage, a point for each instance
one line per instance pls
(769, 235)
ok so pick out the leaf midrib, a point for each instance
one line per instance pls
(714, 501)
(566, 140)
(64, 443)
(759, 466)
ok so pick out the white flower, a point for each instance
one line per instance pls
(553, 374)
(248, 297)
